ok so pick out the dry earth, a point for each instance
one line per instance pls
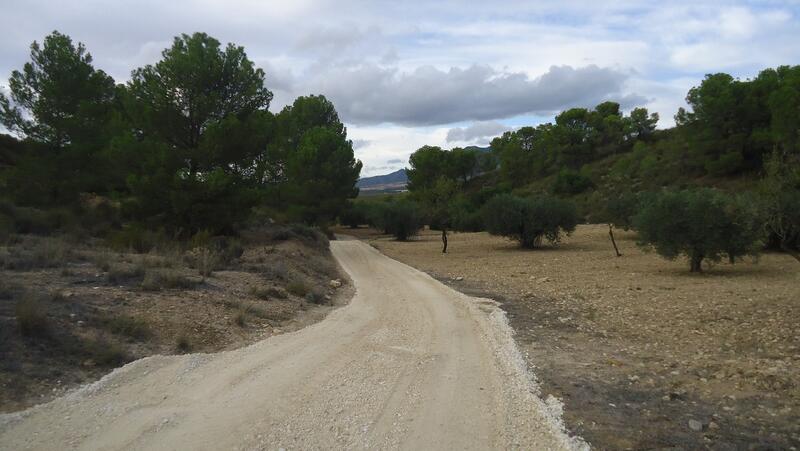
(93, 309)
(408, 364)
(644, 354)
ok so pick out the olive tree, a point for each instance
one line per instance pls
(701, 224)
(530, 220)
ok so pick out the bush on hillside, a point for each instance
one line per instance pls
(701, 224)
(571, 182)
(621, 208)
(530, 220)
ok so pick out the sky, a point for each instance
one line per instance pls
(403, 74)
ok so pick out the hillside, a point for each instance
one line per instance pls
(392, 182)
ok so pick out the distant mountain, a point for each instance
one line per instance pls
(396, 181)
(479, 149)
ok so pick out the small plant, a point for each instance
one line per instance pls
(103, 260)
(241, 317)
(118, 274)
(315, 297)
(205, 260)
(297, 288)
(31, 316)
(129, 326)
(183, 344)
(106, 353)
(160, 279)
(268, 293)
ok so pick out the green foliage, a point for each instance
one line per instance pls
(354, 215)
(621, 208)
(571, 182)
(402, 218)
(702, 224)
(58, 98)
(530, 220)
(779, 199)
(321, 174)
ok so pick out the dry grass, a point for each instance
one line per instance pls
(205, 260)
(162, 279)
(129, 326)
(268, 293)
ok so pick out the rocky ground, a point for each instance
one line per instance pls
(72, 310)
(644, 354)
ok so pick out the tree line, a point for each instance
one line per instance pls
(185, 145)
(724, 182)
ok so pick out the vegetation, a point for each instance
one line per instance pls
(700, 224)
(612, 165)
(530, 220)
(187, 145)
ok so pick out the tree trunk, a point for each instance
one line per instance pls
(613, 241)
(695, 263)
(444, 240)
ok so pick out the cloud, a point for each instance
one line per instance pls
(372, 94)
(395, 161)
(476, 131)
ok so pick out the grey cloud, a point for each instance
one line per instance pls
(476, 131)
(395, 161)
(359, 143)
(334, 39)
(371, 94)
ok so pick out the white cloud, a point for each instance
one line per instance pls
(419, 63)
(476, 132)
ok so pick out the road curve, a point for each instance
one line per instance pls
(408, 364)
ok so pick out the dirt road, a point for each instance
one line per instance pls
(409, 364)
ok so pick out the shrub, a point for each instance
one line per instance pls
(621, 208)
(297, 288)
(129, 326)
(155, 280)
(106, 353)
(571, 182)
(36, 253)
(465, 217)
(268, 293)
(779, 198)
(530, 220)
(240, 319)
(354, 215)
(137, 239)
(183, 343)
(205, 260)
(315, 297)
(119, 274)
(31, 316)
(401, 219)
(702, 224)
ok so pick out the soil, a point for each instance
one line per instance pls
(408, 364)
(643, 354)
(95, 311)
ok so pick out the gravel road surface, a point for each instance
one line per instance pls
(408, 364)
